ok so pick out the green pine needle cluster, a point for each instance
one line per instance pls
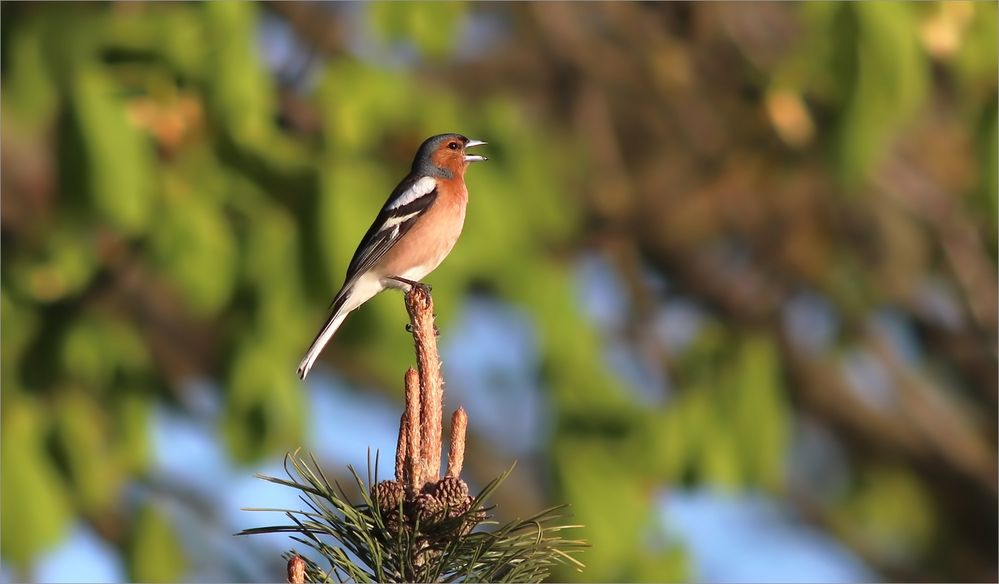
(354, 540)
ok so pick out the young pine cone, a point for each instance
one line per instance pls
(472, 519)
(427, 508)
(394, 521)
(388, 495)
(423, 554)
(453, 492)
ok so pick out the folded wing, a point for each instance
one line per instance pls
(408, 202)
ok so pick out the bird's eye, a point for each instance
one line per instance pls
(453, 145)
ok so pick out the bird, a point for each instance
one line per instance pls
(412, 234)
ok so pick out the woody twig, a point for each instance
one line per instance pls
(418, 451)
(410, 437)
(456, 455)
(420, 306)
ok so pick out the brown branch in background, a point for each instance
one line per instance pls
(903, 181)
(414, 466)
(456, 454)
(420, 306)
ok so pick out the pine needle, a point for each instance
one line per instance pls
(352, 536)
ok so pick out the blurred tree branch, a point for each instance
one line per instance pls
(673, 190)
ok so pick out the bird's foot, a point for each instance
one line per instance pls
(424, 288)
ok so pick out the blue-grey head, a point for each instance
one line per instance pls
(444, 155)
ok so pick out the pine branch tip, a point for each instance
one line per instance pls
(456, 454)
(296, 570)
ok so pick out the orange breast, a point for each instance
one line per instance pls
(431, 239)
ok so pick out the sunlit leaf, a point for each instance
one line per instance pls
(118, 157)
(891, 511)
(671, 564)
(82, 436)
(29, 91)
(132, 442)
(241, 95)
(36, 509)
(890, 83)
(264, 406)
(94, 349)
(272, 246)
(359, 103)
(611, 506)
(61, 267)
(672, 448)
(431, 26)
(194, 246)
(977, 57)
(156, 553)
(19, 325)
(177, 35)
(760, 415)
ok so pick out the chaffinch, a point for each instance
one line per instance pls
(412, 234)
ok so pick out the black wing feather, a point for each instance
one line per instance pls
(377, 241)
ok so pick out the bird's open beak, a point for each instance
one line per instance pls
(475, 157)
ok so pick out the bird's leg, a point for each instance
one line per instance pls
(413, 284)
(424, 287)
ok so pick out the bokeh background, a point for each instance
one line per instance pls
(727, 284)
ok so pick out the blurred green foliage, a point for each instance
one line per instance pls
(155, 551)
(36, 504)
(162, 223)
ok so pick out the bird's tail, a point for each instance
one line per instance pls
(354, 293)
(338, 312)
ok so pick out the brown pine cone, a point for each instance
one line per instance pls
(453, 492)
(422, 554)
(388, 495)
(427, 508)
(459, 510)
(393, 521)
(472, 519)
